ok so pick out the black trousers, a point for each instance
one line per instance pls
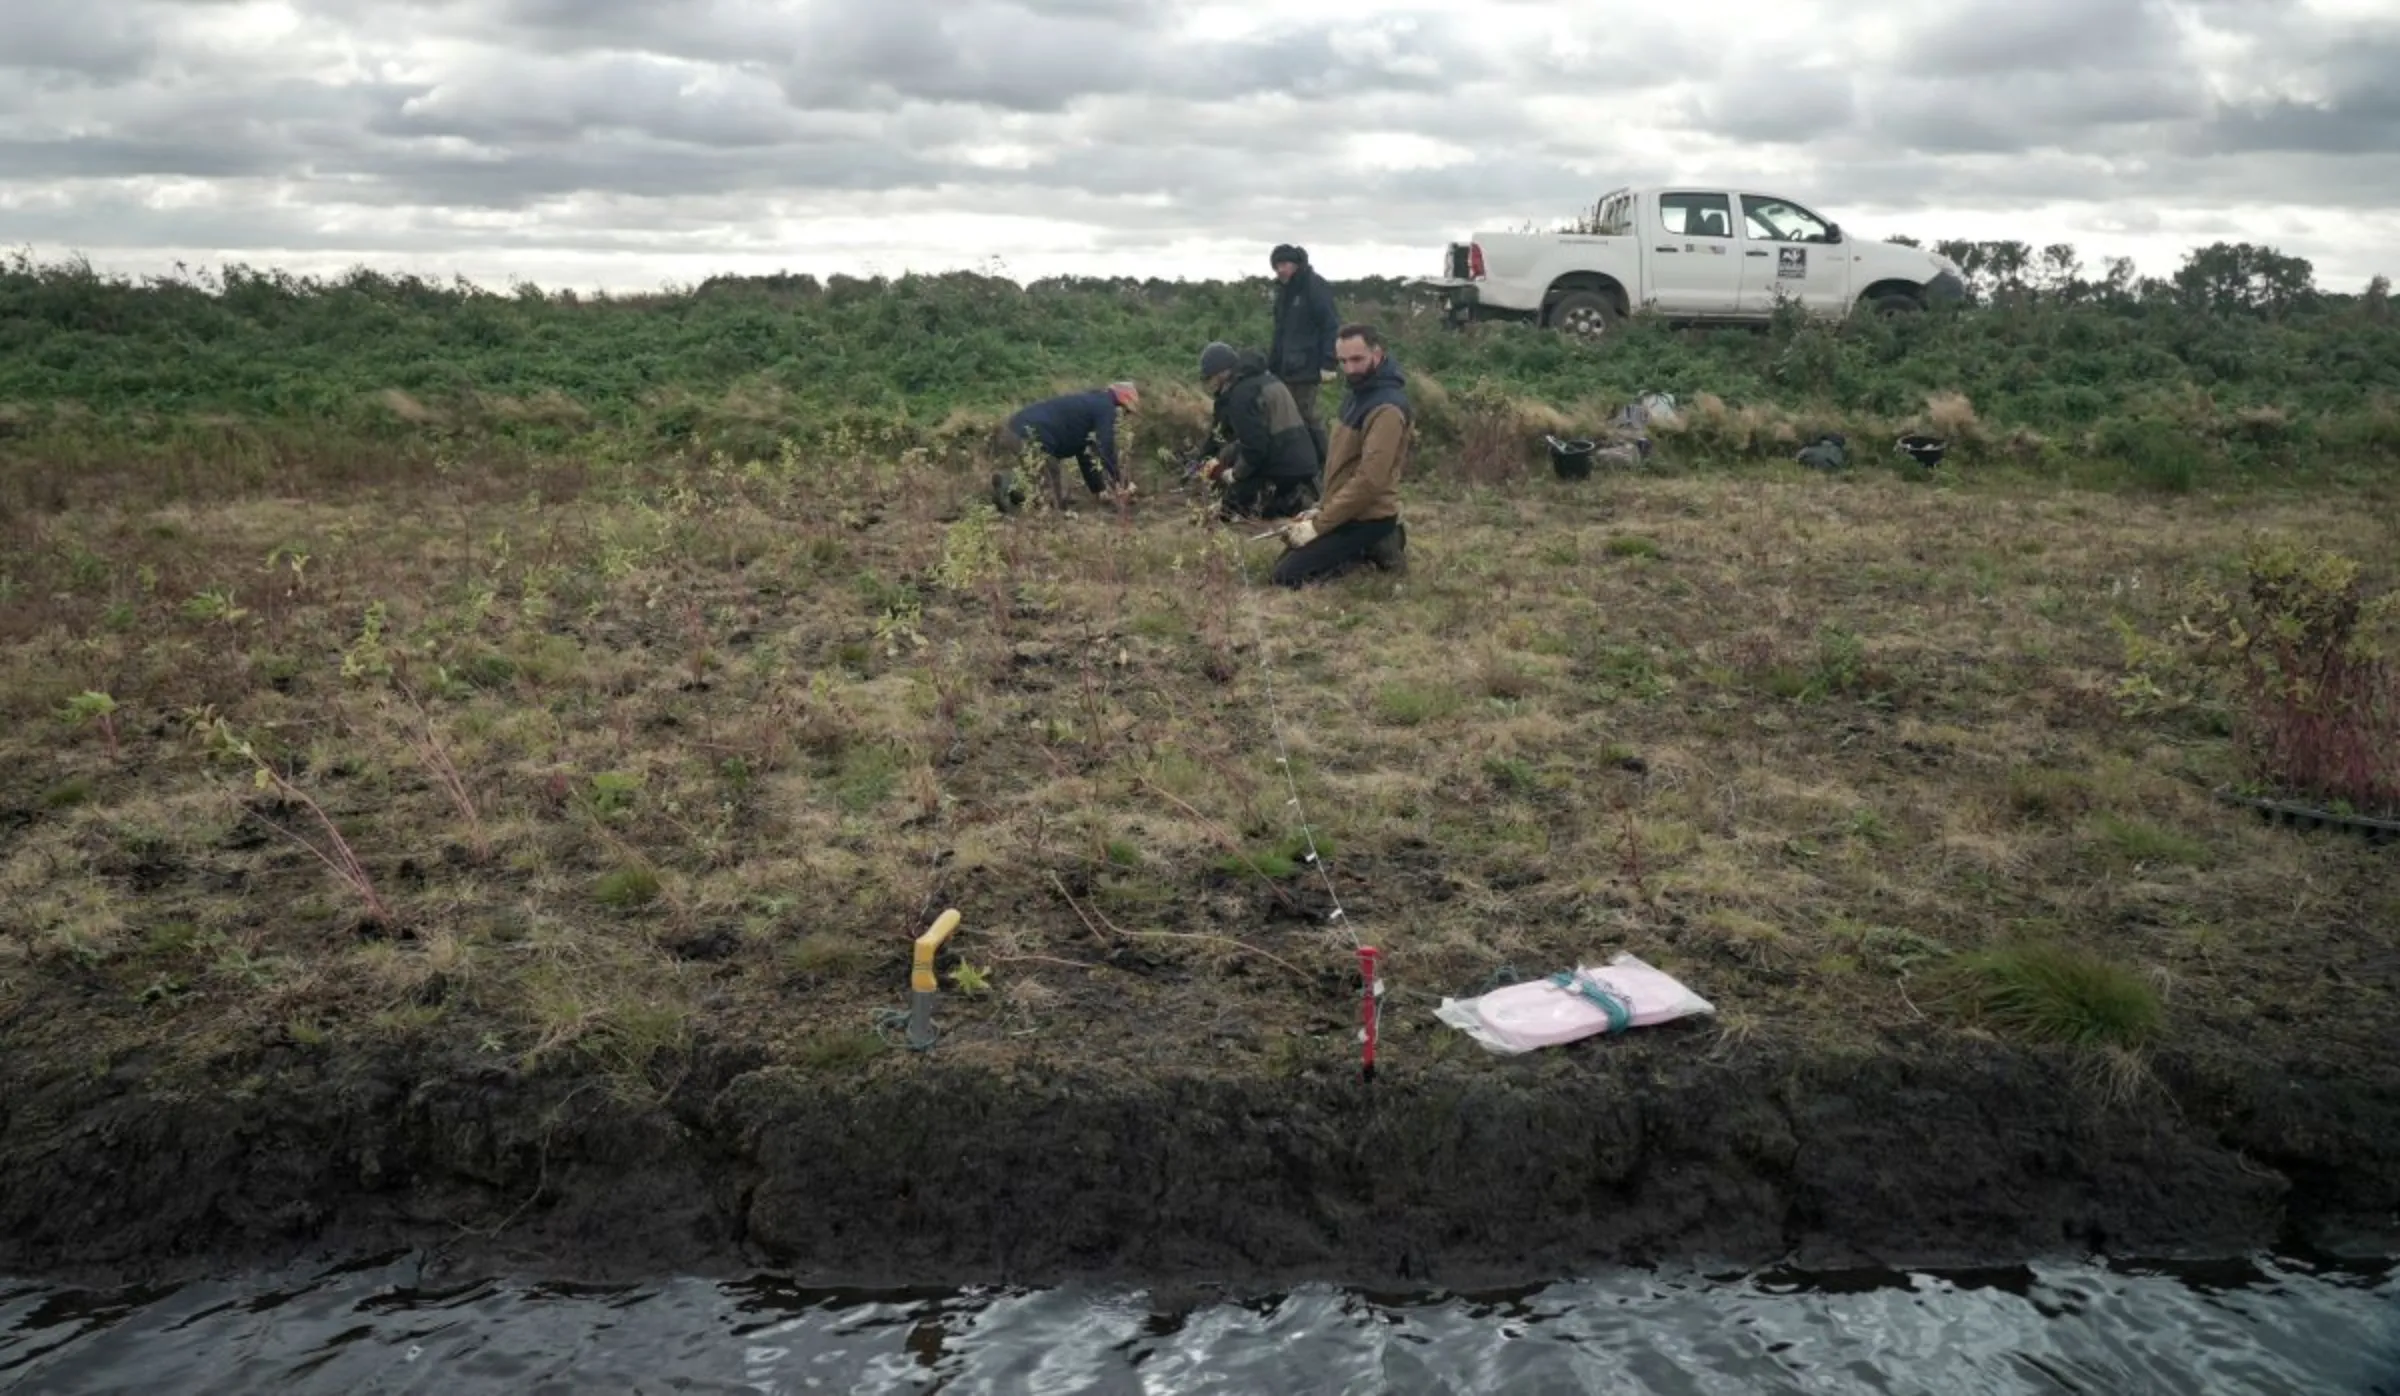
(1333, 553)
(1304, 397)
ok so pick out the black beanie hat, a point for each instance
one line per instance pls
(1286, 252)
(1217, 358)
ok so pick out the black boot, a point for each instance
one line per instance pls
(1391, 551)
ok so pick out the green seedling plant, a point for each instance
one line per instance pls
(215, 605)
(95, 709)
(282, 558)
(899, 630)
(368, 660)
(613, 792)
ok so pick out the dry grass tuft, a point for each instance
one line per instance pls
(408, 409)
(1951, 417)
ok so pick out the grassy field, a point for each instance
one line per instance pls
(598, 760)
(590, 681)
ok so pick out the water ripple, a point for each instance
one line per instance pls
(2271, 1326)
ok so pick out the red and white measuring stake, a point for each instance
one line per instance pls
(1370, 1009)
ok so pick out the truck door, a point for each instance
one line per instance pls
(1785, 246)
(1693, 254)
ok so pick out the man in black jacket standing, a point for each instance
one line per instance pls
(1301, 354)
(1259, 446)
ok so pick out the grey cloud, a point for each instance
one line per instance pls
(1934, 183)
(70, 36)
(103, 157)
(414, 174)
(2030, 111)
(1479, 118)
(497, 100)
(281, 126)
(1141, 10)
(995, 55)
(818, 36)
(1778, 104)
(728, 30)
(115, 219)
(2359, 116)
(981, 54)
(2363, 126)
(1546, 191)
(259, 221)
(1608, 59)
(2021, 36)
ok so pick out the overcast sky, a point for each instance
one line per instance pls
(631, 143)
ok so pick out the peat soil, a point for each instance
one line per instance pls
(1672, 1144)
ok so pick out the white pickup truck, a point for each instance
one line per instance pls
(1694, 256)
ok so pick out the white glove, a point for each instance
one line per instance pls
(1325, 375)
(1300, 534)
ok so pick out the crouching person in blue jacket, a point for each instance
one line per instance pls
(1081, 426)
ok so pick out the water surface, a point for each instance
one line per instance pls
(2267, 1326)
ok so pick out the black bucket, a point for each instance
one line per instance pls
(1925, 450)
(1572, 460)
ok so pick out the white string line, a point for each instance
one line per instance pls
(1283, 757)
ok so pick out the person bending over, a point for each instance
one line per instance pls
(1260, 448)
(1081, 426)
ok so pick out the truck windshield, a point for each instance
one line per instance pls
(1781, 220)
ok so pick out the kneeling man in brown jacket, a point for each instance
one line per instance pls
(1359, 521)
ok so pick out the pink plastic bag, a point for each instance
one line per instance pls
(1625, 993)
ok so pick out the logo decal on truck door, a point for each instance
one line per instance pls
(1791, 263)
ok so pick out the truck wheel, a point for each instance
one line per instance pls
(1584, 314)
(1896, 303)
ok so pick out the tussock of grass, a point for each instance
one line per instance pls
(2141, 842)
(68, 793)
(1281, 859)
(2050, 992)
(1412, 704)
(2041, 793)
(626, 888)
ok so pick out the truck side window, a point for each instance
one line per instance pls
(1780, 220)
(1696, 215)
